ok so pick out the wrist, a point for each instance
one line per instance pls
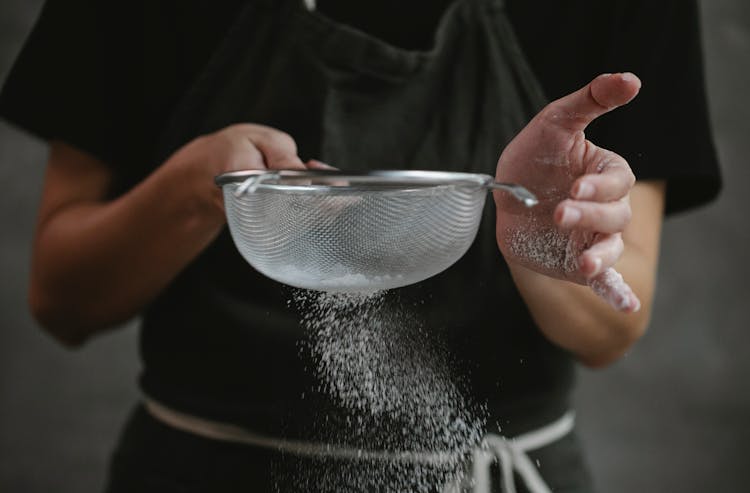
(188, 185)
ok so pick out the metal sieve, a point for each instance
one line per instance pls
(355, 232)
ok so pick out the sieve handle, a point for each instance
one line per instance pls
(252, 182)
(522, 194)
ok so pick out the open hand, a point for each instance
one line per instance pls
(574, 233)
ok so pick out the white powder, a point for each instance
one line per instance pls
(546, 247)
(337, 281)
(556, 253)
(610, 286)
(378, 362)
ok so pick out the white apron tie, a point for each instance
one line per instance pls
(511, 456)
(509, 453)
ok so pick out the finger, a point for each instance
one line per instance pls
(610, 179)
(600, 217)
(612, 288)
(600, 256)
(315, 164)
(251, 158)
(605, 93)
(278, 148)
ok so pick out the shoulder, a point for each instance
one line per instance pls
(96, 74)
(567, 42)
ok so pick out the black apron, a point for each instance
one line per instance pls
(222, 330)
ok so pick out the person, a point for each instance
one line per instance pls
(144, 104)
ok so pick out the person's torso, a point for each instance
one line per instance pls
(223, 340)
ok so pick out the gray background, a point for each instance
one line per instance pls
(671, 416)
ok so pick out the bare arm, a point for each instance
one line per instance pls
(97, 262)
(590, 223)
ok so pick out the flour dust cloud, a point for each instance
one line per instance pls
(395, 390)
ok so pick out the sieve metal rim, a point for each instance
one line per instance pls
(400, 179)
(372, 180)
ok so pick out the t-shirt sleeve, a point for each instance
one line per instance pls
(668, 121)
(664, 133)
(73, 79)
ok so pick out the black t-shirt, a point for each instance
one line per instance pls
(106, 80)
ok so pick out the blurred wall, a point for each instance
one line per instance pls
(674, 414)
(671, 416)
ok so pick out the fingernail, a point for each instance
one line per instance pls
(584, 190)
(636, 304)
(606, 75)
(627, 76)
(597, 267)
(570, 216)
(320, 164)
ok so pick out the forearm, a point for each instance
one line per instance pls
(573, 317)
(97, 264)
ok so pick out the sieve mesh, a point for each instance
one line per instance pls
(353, 238)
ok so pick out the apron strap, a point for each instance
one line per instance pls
(509, 453)
(226, 432)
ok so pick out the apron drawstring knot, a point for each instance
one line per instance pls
(511, 456)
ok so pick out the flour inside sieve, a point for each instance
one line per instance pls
(342, 281)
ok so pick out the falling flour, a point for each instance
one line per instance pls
(398, 389)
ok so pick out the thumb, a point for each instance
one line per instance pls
(612, 288)
(603, 94)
